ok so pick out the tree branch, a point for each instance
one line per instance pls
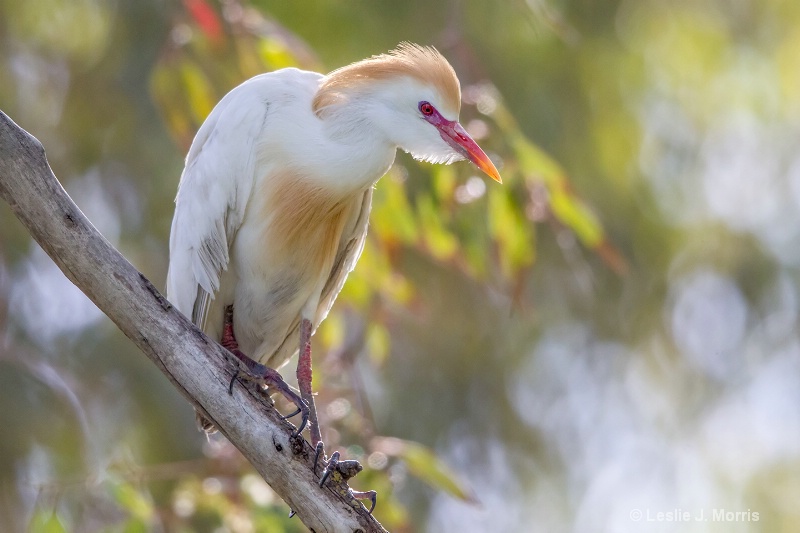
(196, 365)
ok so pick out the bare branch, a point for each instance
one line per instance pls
(197, 366)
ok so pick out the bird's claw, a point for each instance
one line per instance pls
(267, 377)
(290, 415)
(329, 468)
(303, 421)
(370, 495)
(319, 451)
(233, 380)
(345, 469)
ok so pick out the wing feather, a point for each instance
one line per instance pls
(214, 190)
(351, 245)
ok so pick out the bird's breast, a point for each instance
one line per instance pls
(302, 223)
(283, 255)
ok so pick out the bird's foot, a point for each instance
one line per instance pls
(257, 373)
(266, 377)
(339, 471)
(370, 495)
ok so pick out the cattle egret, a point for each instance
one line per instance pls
(272, 207)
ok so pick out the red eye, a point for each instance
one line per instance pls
(426, 109)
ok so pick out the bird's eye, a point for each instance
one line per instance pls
(426, 109)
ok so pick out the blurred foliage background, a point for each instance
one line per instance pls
(613, 330)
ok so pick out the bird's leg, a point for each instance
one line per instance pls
(343, 470)
(228, 340)
(263, 375)
(304, 381)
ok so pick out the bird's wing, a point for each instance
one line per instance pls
(212, 197)
(350, 247)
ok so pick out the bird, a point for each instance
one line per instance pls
(273, 204)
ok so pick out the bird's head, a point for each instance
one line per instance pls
(412, 95)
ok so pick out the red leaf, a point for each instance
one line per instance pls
(205, 17)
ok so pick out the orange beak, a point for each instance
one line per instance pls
(456, 136)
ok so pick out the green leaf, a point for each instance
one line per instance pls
(444, 182)
(274, 53)
(378, 341)
(171, 103)
(133, 501)
(198, 90)
(537, 166)
(46, 521)
(423, 463)
(441, 243)
(573, 213)
(512, 233)
(135, 525)
(392, 218)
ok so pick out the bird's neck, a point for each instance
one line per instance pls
(359, 153)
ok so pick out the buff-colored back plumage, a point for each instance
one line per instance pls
(423, 63)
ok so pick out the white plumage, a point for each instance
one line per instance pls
(223, 247)
(273, 205)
